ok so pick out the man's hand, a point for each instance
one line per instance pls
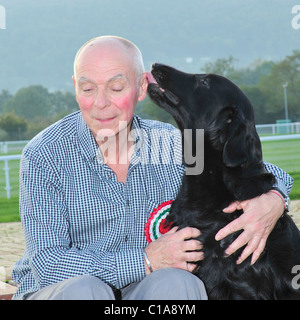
(175, 250)
(258, 220)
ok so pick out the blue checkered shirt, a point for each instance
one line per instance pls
(78, 219)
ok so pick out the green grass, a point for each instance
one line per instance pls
(9, 210)
(285, 154)
(295, 193)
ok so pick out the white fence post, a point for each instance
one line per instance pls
(6, 169)
(7, 182)
(3, 147)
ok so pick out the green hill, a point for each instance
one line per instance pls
(42, 37)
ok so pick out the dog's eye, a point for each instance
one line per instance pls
(205, 82)
(201, 80)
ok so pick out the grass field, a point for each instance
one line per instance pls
(285, 154)
(9, 209)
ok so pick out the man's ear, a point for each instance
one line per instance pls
(74, 81)
(143, 85)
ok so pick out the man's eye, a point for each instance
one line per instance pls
(117, 86)
(117, 89)
(87, 90)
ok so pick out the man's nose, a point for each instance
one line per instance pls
(102, 99)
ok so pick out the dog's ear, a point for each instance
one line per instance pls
(241, 140)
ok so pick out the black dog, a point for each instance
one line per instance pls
(233, 170)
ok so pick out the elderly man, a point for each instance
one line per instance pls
(85, 195)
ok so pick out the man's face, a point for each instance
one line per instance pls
(107, 88)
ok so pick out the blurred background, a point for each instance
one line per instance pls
(254, 43)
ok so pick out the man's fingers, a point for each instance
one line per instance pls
(194, 256)
(236, 205)
(231, 208)
(173, 230)
(192, 245)
(255, 246)
(239, 242)
(233, 226)
(258, 251)
(185, 233)
(190, 265)
(250, 248)
(189, 233)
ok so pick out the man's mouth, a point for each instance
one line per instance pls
(105, 120)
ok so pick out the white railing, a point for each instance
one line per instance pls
(281, 137)
(278, 128)
(6, 169)
(8, 146)
(7, 158)
(262, 129)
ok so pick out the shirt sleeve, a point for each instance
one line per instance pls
(52, 256)
(284, 181)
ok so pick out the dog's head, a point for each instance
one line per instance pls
(215, 104)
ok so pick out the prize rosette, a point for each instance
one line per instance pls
(156, 226)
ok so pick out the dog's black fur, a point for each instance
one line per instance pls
(233, 170)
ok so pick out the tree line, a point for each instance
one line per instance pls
(31, 109)
(262, 82)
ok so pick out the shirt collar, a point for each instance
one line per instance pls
(88, 144)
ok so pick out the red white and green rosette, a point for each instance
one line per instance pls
(156, 226)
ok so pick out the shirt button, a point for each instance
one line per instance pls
(126, 238)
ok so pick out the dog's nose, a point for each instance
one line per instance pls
(156, 65)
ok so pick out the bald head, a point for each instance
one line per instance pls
(120, 45)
